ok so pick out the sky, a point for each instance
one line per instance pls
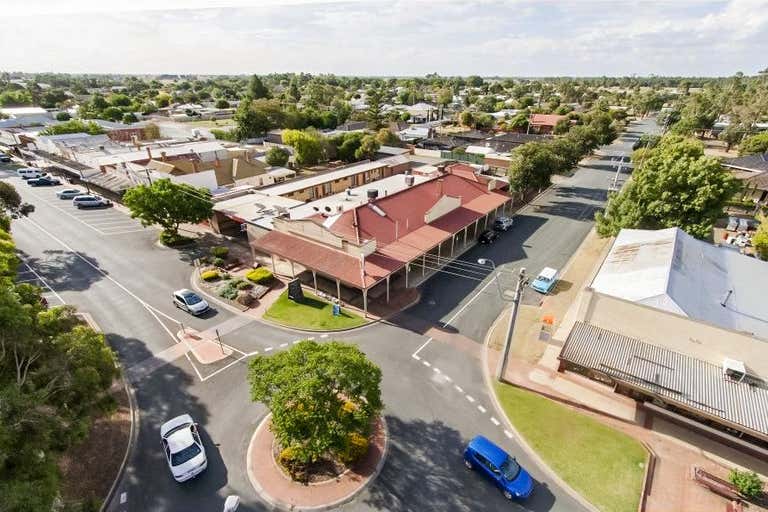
(386, 38)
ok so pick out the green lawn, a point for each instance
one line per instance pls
(314, 314)
(604, 465)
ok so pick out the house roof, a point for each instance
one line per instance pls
(754, 163)
(672, 271)
(678, 378)
(545, 119)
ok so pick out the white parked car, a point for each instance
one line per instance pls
(27, 173)
(90, 201)
(502, 223)
(190, 301)
(69, 193)
(183, 448)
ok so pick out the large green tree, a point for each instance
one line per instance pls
(319, 394)
(168, 205)
(257, 89)
(308, 144)
(754, 144)
(676, 186)
(532, 166)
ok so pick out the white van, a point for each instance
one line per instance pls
(27, 173)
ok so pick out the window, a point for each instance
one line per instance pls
(327, 188)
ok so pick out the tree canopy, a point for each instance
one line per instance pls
(676, 186)
(318, 394)
(169, 204)
(308, 145)
(754, 144)
(277, 157)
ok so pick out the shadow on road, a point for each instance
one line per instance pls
(442, 483)
(570, 209)
(591, 194)
(65, 270)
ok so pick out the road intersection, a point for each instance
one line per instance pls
(433, 386)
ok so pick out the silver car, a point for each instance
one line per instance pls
(69, 193)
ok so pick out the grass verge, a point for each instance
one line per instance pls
(314, 314)
(602, 464)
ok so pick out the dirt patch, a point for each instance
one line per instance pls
(317, 472)
(89, 468)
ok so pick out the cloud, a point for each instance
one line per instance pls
(520, 38)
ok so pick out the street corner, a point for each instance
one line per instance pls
(206, 350)
(273, 484)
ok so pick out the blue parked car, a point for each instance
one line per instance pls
(545, 281)
(497, 465)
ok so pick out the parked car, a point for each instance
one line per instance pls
(190, 301)
(502, 223)
(496, 465)
(27, 173)
(488, 236)
(5, 158)
(43, 181)
(91, 201)
(69, 193)
(183, 448)
(545, 281)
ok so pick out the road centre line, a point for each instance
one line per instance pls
(481, 409)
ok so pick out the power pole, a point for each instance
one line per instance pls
(502, 367)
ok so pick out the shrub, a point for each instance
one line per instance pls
(747, 483)
(219, 251)
(225, 275)
(356, 447)
(277, 157)
(219, 262)
(259, 275)
(288, 460)
(210, 275)
(245, 298)
(228, 290)
(204, 260)
(243, 285)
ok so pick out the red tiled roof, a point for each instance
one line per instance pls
(463, 170)
(545, 119)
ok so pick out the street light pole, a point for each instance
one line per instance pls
(502, 367)
(521, 278)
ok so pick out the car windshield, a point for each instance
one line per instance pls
(192, 299)
(184, 455)
(510, 468)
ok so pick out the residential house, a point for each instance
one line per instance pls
(752, 171)
(544, 123)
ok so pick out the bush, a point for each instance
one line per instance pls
(356, 447)
(225, 275)
(259, 275)
(747, 483)
(210, 275)
(219, 251)
(228, 290)
(277, 157)
(243, 285)
(288, 460)
(245, 298)
(174, 239)
(219, 262)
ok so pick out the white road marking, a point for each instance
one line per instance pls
(282, 345)
(426, 363)
(45, 283)
(458, 388)
(418, 358)
(267, 349)
(448, 379)
(203, 379)
(508, 434)
(420, 348)
(481, 409)
(495, 421)
(436, 369)
(323, 335)
(296, 341)
(470, 399)
(123, 498)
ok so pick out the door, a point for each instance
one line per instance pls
(179, 301)
(488, 468)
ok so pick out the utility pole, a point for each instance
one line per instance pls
(502, 368)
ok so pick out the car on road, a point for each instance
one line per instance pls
(502, 223)
(190, 301)
(488, 236)
(90, 201)
(43, 181)
(69, 193)
(183, 448)
(27, 173)
(545, 281)
(496, 465)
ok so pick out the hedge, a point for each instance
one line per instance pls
(259, 275)
(209, 275)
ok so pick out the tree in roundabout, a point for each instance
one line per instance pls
(324, 399)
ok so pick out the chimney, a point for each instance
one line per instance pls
(149, 152)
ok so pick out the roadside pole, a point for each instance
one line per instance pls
(502, 367)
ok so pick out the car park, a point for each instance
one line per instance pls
(545, 281)
(43, 181)
(497, 465)
(90, 201)
(183, 448)
(190, 301)
(69, 193)
(488, 237)
(27, 173)
(502, 223)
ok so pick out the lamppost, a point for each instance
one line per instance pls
(521, 279)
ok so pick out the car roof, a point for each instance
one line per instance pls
(180, 439)
(548, 273)
(185, 292)
(175, 422)
(489, 450)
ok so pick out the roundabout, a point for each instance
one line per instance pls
(274, 486)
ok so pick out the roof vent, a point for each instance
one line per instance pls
(372, 194)
(328, 209)
(409, 180)
(376, 209)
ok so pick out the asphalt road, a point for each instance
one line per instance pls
(124, 280)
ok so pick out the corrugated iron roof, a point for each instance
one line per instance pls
(678, 378)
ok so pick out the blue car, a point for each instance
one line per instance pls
(545, 281)
(499, 467)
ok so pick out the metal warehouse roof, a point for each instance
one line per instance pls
(690, 382)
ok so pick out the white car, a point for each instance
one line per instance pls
(190, 301)
(69, 193)
(90, 201)
(27, 173)
(502, 223)
(183, 448)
